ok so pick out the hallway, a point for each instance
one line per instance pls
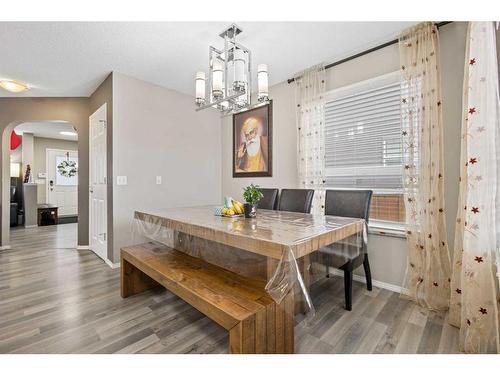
(62, 236)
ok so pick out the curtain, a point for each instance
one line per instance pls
(474, 292)
(310, 104)
(428, 270)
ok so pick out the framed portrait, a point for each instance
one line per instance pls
(253, 142)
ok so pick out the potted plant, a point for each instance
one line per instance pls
(252, 195)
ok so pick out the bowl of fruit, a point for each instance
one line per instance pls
(232, 208)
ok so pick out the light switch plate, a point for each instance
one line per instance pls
(158, 180)
(121, 180)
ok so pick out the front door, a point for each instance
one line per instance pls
(98, 184)
(62, 181)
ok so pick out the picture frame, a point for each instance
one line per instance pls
(253, 142)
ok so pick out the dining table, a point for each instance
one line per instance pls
(275, 246)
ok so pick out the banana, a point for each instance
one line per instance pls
(237, 207)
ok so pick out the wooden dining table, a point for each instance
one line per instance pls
(266, 247)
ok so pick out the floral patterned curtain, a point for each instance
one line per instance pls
(428, 270)
(474, 296)
(310, 102)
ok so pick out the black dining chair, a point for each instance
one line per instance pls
(270, 199)
(296, 200)
(348, 203)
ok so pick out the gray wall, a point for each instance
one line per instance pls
(41, 145)
(157, 132)
(14, 111)
(387, 254)
(28, 153)
(104, 95)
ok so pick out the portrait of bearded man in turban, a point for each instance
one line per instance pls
(252, 144)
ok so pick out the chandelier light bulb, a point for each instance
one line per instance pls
(200, 88)
(239, 70)
(217, 79)
(262, 83)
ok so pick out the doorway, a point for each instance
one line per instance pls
(62, 181)
(98, 232)
(44, 184)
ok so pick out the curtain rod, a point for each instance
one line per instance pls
(373, 49)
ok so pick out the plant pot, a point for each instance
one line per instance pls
(250, 210)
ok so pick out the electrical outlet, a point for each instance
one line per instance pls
(121, 180)
(158, 180)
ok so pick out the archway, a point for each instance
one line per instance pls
(72, 110)
(50, 197)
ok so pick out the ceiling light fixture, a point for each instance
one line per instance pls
(13, 86)
(68, 133)
(229, 76)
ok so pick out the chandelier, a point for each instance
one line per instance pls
(230, 77)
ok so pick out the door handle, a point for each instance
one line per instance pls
(91, 190)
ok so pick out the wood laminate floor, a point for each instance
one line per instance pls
(55, 299)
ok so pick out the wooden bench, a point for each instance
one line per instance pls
(256, 323)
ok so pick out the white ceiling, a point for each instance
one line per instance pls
(47, 129)
(72, 58)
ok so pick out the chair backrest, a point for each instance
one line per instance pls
(270, 199)
(348, 203)
(296, 200)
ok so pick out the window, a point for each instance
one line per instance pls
(66, 170)
(363, 144)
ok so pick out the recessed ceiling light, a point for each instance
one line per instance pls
(68, 133)
(13, 86)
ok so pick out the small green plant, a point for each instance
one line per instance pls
(252, 194)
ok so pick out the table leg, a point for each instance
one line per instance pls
(280, 319)
(305, 271)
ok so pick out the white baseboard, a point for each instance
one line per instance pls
(30, 226)
(376, 283)
(7, 247)
(107, 261)
(111, 264)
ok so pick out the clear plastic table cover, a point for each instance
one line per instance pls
(289, 250)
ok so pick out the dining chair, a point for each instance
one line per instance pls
(296, 200)
(348, 257)
(270, 199)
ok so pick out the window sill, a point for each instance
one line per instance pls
(381, 228)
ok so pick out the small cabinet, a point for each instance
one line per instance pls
(47, 215)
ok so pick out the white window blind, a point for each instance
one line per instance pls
(363, 143)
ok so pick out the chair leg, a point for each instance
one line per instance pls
(348, 289)
(368, 274)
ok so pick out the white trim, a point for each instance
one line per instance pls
(377, 283)
(83, 247)
(30, 226)
(381, 228)
(6, 247)
(111, 264)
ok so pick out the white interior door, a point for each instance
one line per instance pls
(62, 181)
(98, 184)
